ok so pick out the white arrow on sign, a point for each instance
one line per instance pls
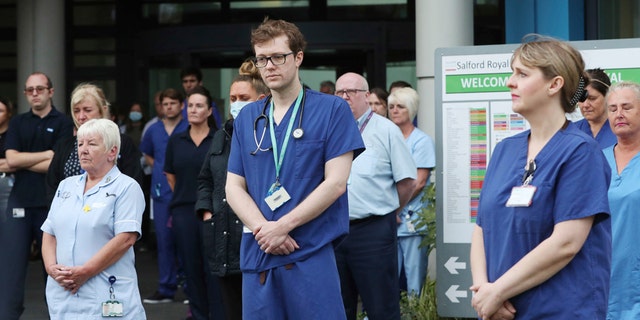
(453, 265)
(453, 293)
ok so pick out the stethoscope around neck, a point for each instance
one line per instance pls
(297, 133)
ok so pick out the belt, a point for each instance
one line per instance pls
(263, 274)
(372, 217)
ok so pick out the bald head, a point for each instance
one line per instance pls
(354, 89)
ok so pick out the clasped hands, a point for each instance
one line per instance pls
(274, 239)
(489, 304)
(70, 278)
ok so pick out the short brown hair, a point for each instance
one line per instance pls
(171, 93)
(270, 29)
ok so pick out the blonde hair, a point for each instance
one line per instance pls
(555, 58)
(248, 72)
(407, 97)
(90, 91)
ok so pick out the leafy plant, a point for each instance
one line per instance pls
(423, 306)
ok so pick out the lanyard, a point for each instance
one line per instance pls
(366, 121)
(278, 158)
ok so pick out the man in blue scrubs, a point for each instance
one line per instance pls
(381, 183)
(291, 154)
(154, 146)
(29, 144)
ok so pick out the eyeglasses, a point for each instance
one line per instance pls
(350, 92)
(276, 60)
(38, 89)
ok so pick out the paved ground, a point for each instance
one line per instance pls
(35, 307)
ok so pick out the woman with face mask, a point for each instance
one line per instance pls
(134, 123)
(222, 229)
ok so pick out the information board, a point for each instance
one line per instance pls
(473, 114)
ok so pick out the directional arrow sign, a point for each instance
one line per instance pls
(453, 293)
(453, 265)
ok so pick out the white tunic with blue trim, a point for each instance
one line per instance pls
(82, 224)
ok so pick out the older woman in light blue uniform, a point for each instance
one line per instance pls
(403, 107)
(88, 236)
(623, 102)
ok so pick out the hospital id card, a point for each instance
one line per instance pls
(18, 212)
(521, 196)
(277, 198)
(112, 308)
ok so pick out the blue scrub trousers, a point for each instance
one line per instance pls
(167, 263)
(367, 263)
(16, 236)
(307, 289)
(414, 259)
(203, 289)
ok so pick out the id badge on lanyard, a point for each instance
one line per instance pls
(522, 196)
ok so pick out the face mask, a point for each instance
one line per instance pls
(236, 107)
(135, 116)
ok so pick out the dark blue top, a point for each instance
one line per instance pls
(329, 131)
(30, 133)
(184, 160)
(605, 136)
(572, 177)
(154, 144)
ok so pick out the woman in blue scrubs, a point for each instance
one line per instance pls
(541, 248)
(594, 110)
(623, 103)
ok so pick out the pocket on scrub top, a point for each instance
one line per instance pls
(310, 159)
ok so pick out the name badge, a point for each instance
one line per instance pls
(521, 196)
(112, 308)
(18, 212)
(277, 198)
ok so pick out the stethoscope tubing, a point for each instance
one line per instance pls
(297, 133)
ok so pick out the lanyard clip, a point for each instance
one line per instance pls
(530, 168)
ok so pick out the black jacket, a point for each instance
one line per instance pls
(223, 232)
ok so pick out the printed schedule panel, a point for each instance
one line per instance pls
(473, 112)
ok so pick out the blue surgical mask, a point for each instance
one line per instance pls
(135, 116)
(236, 107)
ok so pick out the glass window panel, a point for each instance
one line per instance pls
(8, 61)
(338, 3)
(267, 4)
(94, 15)
(8, 17)
(8, 47)
(94, 44)
(618, 19)
(94, 60)
(365, 10)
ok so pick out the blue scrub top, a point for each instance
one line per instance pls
(624, 197)
(572, 178)
(605, 136)
(329, 131)
(184, 159)
(154, 144)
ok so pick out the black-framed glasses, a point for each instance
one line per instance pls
(276, 60)
(350, 92)
(38, 89)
